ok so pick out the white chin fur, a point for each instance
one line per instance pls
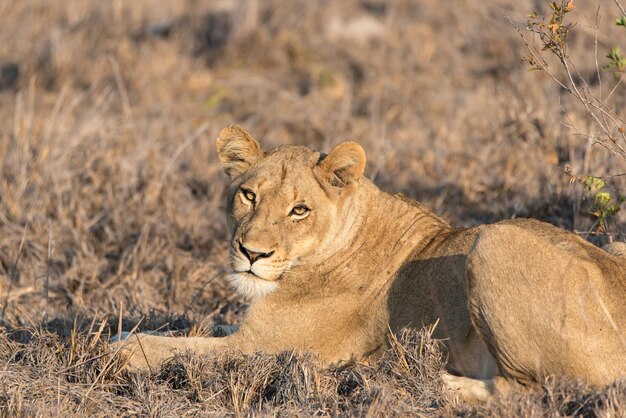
(250, 286)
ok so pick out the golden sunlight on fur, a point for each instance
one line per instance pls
(332, 263)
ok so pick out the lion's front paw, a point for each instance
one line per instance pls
(142, 352)
(467, 389)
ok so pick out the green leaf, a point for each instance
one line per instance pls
(602, 199)
(593, 183)
(616, 59)
(598, 183)
(612, 209)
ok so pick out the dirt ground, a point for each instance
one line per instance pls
(112, 198)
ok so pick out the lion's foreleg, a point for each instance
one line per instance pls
(148, 352)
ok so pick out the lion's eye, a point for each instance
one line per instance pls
(248, 196)
(300, 212)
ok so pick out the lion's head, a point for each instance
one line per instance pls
(286, 208)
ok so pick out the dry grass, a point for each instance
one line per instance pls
(53, 375)
(112, 199)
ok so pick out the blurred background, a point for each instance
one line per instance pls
(111, 193)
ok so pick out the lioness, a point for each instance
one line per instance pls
(331, 264)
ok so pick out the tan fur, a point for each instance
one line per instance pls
(548, 303)
(362, 262)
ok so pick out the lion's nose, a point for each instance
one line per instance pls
(253, 255)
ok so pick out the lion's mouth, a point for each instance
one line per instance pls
(250, 274)
(254, 271)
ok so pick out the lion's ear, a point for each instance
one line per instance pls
(238, 150)
(345, 163)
